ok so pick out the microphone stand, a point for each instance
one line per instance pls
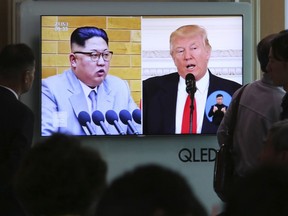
(191, 89)
(192, 93)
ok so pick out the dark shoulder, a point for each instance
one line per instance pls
(20, 110)
(172, 77)
(225, 81)
(219, 83)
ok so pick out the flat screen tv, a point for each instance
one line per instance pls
(141, 50)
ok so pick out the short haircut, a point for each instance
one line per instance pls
(188, 31)
(219, 95)
(15, 60)
(80, 35)
(149, 189)
(280, 46)
(60, 176)
(263, 49)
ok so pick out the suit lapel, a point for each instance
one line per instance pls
(168, 102)
(77, 97)
(104, 99)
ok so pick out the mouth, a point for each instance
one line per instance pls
(190, 66)
(101, 72)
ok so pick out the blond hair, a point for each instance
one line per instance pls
(188, 31)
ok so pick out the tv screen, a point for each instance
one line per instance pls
(130, 101)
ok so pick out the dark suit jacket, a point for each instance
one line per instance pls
(159, 103)
(218, 115)
(16, 131)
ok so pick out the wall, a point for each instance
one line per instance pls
(272, 16)
(4, 23)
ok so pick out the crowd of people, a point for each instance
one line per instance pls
(260, 153)
(61, 176)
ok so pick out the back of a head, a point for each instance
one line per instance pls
(150, 190)
(263, 49)
(263, 192)
(60, 176)
(279, 46)
(15, 59)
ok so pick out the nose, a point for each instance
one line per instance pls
(101, 60)
(187, 55)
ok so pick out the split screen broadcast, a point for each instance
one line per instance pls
(121, 66)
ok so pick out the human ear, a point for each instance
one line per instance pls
(73, 59)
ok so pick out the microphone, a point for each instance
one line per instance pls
(98, 119)
(136, 114)
(126, 118)
(112, 118)
(190, 84)
(84, 119)
(190, 89)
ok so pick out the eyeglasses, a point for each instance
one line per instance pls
(95, 56)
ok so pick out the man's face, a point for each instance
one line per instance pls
(278, 70)
(219, 100)
(92, 73)
(28, 80)
(190, 55)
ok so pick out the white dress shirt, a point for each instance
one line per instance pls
(87, 90)
(200, 98)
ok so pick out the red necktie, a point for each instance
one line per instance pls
(186, 117)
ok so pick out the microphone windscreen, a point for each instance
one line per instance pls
(97, 117)
(136, 114)
(111, 116)
(83, 118)
(189, 77)
(125, 116)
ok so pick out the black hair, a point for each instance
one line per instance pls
(263, 49)
(280, 46)
(219, 95)
(80, 35)
(263, 191)
(15, 59)
(149, 189)
(60, 176)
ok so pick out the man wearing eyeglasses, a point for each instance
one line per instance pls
(70, 99)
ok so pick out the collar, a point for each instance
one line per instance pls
(11, 91)
(201, 84)
(87, 89)
(266, 78)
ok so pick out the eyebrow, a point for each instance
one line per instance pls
(95, 50)
(193, 44)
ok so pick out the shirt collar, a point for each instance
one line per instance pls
(201, 84)
(87, 89)
(16, 95)
(266, 78)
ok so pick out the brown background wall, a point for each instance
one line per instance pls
(272, 16)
